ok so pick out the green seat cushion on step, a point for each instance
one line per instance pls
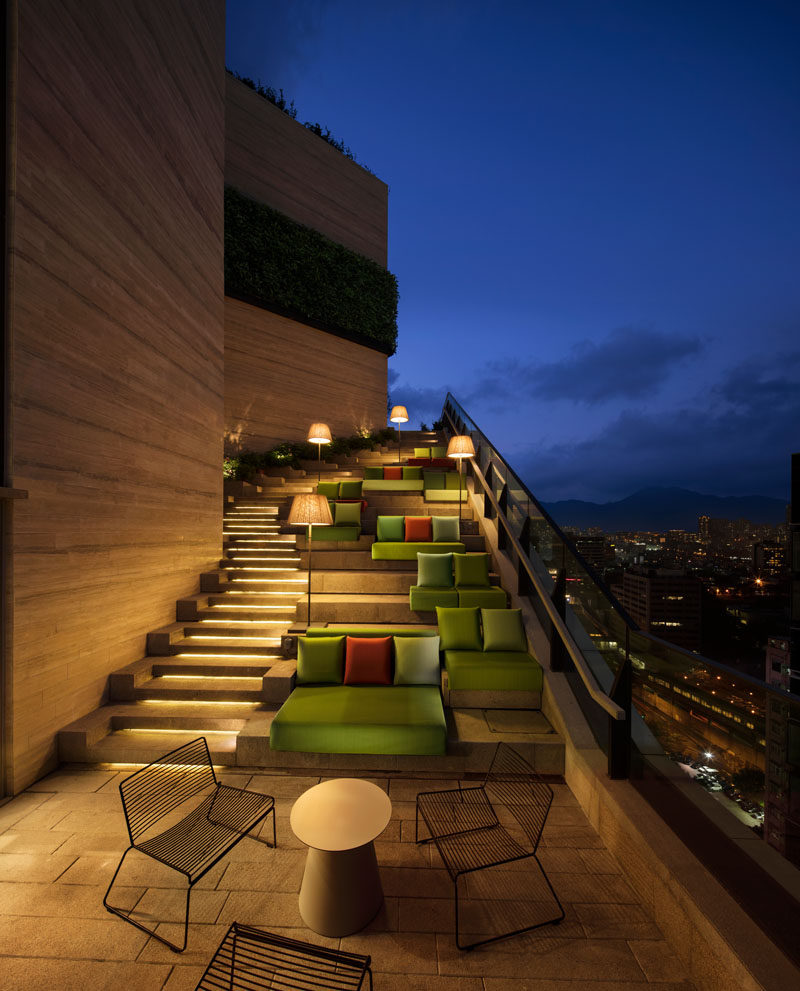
(351, 488)
(361, 719)
(414, 474)
(374, 472)
(427, 598)
(370, 631)
(422, 452)
(320, 661)
(435, 570)
(483, 597)
(496, 671)
(444, 495)
(390, 528)
(329, 489)
(433, 479)
(446, 528)
(459, 629)
(407, 551)
(344, 532)
(471, 569)
(503, 629)
(439, 451)
(393, 485)
(452, 480)
(348, 513)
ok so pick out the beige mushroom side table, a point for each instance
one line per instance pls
(338, 820)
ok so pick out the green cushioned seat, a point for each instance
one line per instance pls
(412, 473)
(429, 597)
(444, 495)
(344, 532)
(439, 451)
(329, 489)
(393, 485)
(369, 631)
(390, 528)
(495, 671)
(433, 479)
(401, 551)
(452, 480)
(471, 569)
(482, 597)
(347, 514)
(361, 719)
(422, 452)
(373, 472)
(351, 488)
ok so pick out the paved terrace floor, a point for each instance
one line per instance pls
(60, 842)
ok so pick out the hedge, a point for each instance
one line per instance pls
(273, 261)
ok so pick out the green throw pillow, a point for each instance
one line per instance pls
(452, 481)
(320, 660)
(438, 452)
(471, 569)
(445, 529)
(412, 474)
(435, 570)
(373, 473)
(329, 489)
(503, 629)
(351, 489)
(459, 628)
(422, 452)
(433, 479)
(347, 513)
(416, 661)
(390, 528)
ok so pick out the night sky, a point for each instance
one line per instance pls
(594, 219)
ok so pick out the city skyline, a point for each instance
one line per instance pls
(593, 221)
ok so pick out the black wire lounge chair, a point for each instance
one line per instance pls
(464, 824)
(180, 815)
(252, 958)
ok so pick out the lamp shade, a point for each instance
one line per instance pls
(319, 433)
(461, 446)
(399, 414)
(310, 509)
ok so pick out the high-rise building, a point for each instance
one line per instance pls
(664, 602)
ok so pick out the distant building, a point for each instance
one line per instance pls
(664, 602)
(769, 560)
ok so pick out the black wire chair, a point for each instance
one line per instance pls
(180, 815)
(252, 958)
(463, 822)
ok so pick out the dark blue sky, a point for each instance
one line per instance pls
(594, 219)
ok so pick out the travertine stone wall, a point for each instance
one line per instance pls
(116, 327)
(280, 376)
(277, 161)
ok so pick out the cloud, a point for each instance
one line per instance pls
(280, 36)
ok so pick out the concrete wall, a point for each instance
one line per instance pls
(275, 160)
(280, 376)
(116, 342)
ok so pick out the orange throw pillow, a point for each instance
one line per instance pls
(419, 528)
(368, 661)
(395, 474)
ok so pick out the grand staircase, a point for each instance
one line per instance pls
(219, 671)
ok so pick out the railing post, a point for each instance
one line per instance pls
(502, 536)
(489, 511)
(559, 659)
(619, 730)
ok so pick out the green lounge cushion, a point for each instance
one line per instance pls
(438, 451)
(329, 489)
(443, 495)
(368, 661)
(497, 671)
(452, 480)
(433, 479)
(348, 513)
(471, 569)
(320, 661)
(393, 485)
(427, 599)
(392, 550)
(373, 473)
(446, 528)
(484, 597)
(416, 661)
(435, 570)
(361, 719)
(369, 631)
(390, 528)
(422, 452)
(412, 473)
(503, 630)
(459, 629)
(351, 488)
(345, 532)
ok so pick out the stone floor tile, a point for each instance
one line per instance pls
(406, 854)
(23, 805)
(45, 814)
(429, 982)
(33, 866)
(657, 960)
(600, 862)
(111, 843)
(565, 815)
(87, 821)
(202, 942)
(414, 882)
(398, 953)
(57, 900)
(597, 888)
(33, 841)
(387, 919)
(546, 984)
(406, 789)
(184, 978)
(159, 905)
(404, 811)
(616, 921)
(89, 780)
(260, 908)
(562, 795)
(426, 915)
(283, 871)
(32, 974)
(71, 939)
(579, 837)
(280, 786)
(561, 860)
(544, 955)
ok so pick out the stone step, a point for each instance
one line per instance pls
(202, 688)
(284, 600)
(179, 639)
(248, 612)
(363, 582)
(131, 746)
(231, 629)
(360, 608)
(247, 569)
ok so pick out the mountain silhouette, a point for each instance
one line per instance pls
(659, 508)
